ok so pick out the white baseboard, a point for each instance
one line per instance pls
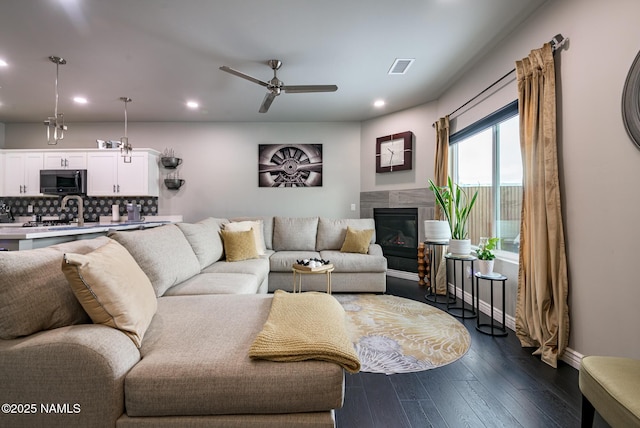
(403, 275)
(570, 356)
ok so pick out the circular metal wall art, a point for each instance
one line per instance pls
(631, 102)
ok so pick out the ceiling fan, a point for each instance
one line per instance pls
(275, 85)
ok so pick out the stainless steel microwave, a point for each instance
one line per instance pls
(63, 181)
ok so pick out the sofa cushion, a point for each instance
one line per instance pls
(357, 241)
(295, 233)
(353, 262)
(239, 246)
(331, 232)
(258, 267)
(254, 225)
(34, 293)
(204, 238)
(282, 261)
(216, 283)
(112, 289)
(163, 253)
(267, 228)
(210, 371)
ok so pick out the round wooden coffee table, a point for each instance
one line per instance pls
(300, 270)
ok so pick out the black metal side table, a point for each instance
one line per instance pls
(491, 328)
(463, 309)
(434, 264)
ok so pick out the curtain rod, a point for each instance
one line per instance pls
(556, 43)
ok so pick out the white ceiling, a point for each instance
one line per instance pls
(162, 53)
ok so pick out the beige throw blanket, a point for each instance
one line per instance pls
(305, 326)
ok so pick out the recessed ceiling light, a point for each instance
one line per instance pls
(3, 63)
(80, 100)
(378, 103)
(192, 104)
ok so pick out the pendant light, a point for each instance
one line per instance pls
(57, 120)
(125, 147)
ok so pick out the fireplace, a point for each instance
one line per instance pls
(397, 234)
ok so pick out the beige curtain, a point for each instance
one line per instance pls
(440, 174)
(542, 311)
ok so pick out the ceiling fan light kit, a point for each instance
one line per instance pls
(275, 86)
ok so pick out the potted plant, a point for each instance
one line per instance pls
(485, 255)
(456, 206)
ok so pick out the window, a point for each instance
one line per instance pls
(485, 156)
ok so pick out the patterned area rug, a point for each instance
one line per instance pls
(396, 335)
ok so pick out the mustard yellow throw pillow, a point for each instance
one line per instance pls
(239, 245)
(257, 226)
(112, 289)
(357, 241)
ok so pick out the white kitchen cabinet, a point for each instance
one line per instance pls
(22, 173)
(65, 160)
(109, 175)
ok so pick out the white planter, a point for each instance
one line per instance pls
(436, 230)
(460, 247)
(485, 266)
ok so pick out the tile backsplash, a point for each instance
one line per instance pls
(94, 207)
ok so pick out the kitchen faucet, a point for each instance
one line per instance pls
(78, 198)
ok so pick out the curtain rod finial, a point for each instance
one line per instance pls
(558, 41)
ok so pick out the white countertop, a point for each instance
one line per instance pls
(13, 231)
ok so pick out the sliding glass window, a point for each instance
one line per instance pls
(485, 156)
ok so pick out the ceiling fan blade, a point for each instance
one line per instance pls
(266, 103)
(244, 76)
(299, 89)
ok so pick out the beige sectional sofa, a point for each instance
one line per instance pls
(289, 239)
(57, 368)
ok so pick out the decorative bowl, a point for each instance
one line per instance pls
(173, 183)
(170, 162)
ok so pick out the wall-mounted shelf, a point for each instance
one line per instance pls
(169, 161)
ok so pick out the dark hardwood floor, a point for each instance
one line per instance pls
(496, 384)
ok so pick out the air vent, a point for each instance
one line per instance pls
(400, 66)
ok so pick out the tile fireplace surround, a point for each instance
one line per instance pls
(422, 199)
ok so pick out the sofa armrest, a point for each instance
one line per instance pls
(375, 250)
(70, 376)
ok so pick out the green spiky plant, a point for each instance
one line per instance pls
(456, 206)
(484, 251)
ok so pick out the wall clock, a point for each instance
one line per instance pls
(631, 102)
(394, 152)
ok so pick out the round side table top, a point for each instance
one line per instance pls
(493, 275)
(306, 269)
(460, 256)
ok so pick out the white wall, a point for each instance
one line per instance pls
(220, 164)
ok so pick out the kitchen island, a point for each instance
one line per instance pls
(14, 238)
